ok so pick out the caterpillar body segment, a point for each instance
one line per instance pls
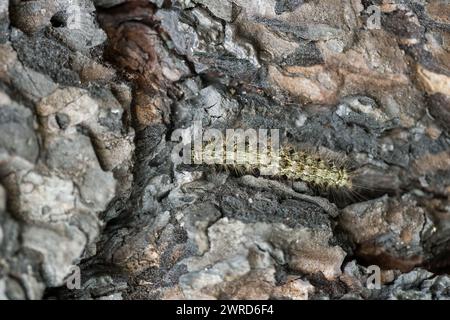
(321, 170)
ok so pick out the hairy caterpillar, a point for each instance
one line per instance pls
(317, 169)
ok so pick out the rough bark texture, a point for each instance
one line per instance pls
(91, 91)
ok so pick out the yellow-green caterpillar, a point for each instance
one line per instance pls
(318, 169)
(313, 168)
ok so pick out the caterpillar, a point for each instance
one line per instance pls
(317, 169)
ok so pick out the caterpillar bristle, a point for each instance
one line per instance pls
(320, 169)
